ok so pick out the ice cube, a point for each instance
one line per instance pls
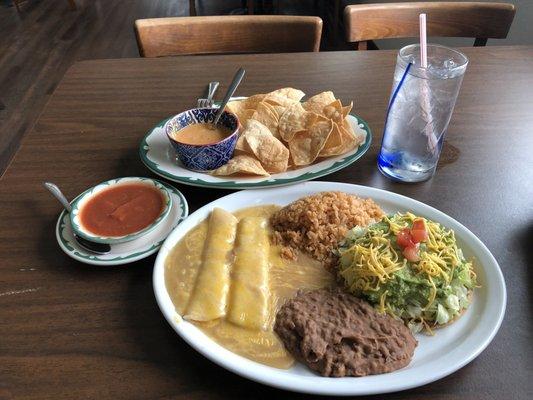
(449, 64)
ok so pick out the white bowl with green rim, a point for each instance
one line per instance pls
(82, 199)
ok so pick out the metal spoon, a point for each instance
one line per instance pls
(234, 83)
(93, 247)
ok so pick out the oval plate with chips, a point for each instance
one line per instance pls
(160, 158)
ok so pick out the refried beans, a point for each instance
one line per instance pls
(337, 334)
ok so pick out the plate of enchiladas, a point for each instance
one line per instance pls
(330, 288)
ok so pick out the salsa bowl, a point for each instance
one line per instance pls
(80, 203)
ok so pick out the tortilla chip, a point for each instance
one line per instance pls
(317, 103)
(305, 146)
(289, 93)
(334, 111)
(243, 109)
(340, 141)
(241, 147)
(272, 153)
(312, 118)
(245, 116)
(346, 109)
(268, 107)
(335, 140)
(293, 120)
(253, 101)
(277, 100)
(277, 120)
(267, 117)
(237, 108)
(279, 110)
(242, 164)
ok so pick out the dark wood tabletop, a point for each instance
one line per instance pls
(73, 331)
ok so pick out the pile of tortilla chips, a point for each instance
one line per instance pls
(280, 132)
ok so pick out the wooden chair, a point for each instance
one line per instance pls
(364, 23)
(160, 37)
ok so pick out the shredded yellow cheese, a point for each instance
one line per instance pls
(382, 307)
(373, 259)
(377, 260)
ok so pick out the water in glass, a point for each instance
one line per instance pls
(419, 114)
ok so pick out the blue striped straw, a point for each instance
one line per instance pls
(394, 94)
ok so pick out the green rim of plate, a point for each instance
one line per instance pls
(126, 238)
(60, 227)
(269, 181)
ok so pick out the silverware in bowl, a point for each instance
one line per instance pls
(93, 247)
(208, 102)
(234, 84)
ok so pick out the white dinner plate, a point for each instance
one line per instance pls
(435, 357)
(128, 252)
(159, 157)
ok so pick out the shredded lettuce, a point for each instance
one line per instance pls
(410, 292)
(415, 327)
(442, 316)
(452, 302)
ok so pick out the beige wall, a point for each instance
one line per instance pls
(521, 31)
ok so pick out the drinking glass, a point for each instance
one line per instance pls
(420, 108)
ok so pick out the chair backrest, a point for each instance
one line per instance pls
(480, 20)
(159, 37)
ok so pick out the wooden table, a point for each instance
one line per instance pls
(72, 331)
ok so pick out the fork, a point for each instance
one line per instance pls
(208, 103)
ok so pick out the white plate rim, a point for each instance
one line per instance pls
(315, 384)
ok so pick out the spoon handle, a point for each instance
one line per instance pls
(58, 195)
(236, 80)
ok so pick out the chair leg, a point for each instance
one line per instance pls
(16, 2)
(361, 45)
(480, 42)
(192, 8)
(336, 16)
(72, 4)
(365, 45)
(250, 5)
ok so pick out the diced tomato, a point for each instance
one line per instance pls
(419, 235)
(418, 224)
(404, 238)
(418, 231)
(411, 253)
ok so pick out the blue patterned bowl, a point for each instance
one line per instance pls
(203, 157)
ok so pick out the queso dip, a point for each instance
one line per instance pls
(201, 134)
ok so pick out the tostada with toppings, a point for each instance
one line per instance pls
(409, 267)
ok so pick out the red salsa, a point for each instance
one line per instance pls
(122, 210)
